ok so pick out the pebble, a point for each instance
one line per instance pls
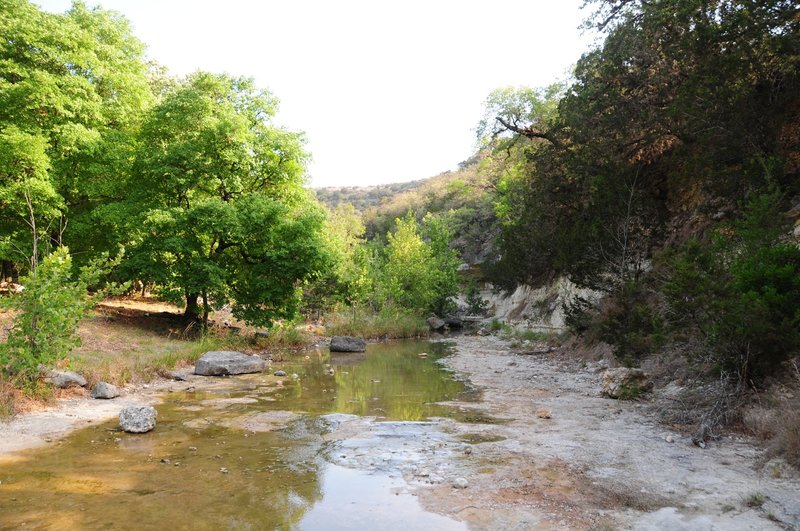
(460, 483)
(468, 450)
(279, 373)
(670, 439)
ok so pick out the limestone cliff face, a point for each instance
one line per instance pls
(536, 308)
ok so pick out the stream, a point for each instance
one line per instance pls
(325, 447)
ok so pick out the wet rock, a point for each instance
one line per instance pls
(104, 390)
(222, 362)
(347, 344)
(65, 379)
(625, 383)
(460, 483)
(436, 324)
(279, 373)
(137, 419)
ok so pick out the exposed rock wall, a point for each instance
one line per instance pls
(536, 308)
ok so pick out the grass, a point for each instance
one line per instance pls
(387, 324)
(755, 500)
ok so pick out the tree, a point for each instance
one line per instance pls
(417, 275)
(70, 86)
(222, 213)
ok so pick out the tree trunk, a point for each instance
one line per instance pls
(192, 311)
(205, 310)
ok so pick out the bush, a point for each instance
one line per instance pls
(49, 310)
(390, 322)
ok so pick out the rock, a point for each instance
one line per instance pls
(261, 334)
(543, 413)
(669, 439)
(483, 332)
(347, 344)
(222, 362)
(104, 390)
(460, 483)
(454, 323)
(625, 383)
(436, 324)
(137, 419)
(66, 379)
(279, 373)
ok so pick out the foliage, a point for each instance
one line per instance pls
(476, 305)
(419, 275)
(742, 294)
(348, 279)
(221, 212)
(686, 104)
(72, 86)
(49, 310)
(390, 322)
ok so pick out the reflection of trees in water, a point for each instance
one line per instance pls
(394, 382)
(270, 480)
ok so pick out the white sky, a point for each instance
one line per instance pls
(385, 91)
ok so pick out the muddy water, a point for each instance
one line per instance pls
(250, 453)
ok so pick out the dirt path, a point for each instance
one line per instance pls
(596, 463)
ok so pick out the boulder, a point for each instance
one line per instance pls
(65, 379)
(347, 344)
(104, 390)
(137, 419)
(223, 362)
(625, 383)
(436, 324)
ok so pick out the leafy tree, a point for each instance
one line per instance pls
(417, 275)
(348, 278)
(223, 215)
(71, 86)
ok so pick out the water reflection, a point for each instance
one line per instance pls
(250, 456)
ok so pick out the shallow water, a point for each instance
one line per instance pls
(250, 453)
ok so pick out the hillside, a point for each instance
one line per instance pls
(362, 197)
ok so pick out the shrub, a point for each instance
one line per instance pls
(49, 310)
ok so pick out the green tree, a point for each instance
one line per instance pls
(222, 212)
(418, 275)
(71, 87)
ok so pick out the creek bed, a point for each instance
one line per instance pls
(254, 452)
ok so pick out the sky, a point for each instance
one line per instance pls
(385, 90)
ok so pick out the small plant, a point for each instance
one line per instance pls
(629, 392)
(755, 500)
(476, 305)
